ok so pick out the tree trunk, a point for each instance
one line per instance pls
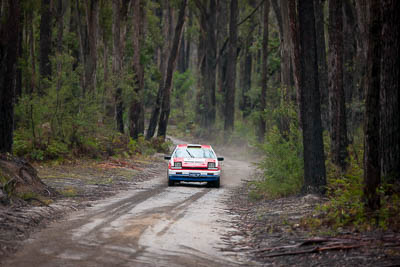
(165, 52)
(207, 48)
(349, 57)
(92, 20)
(9, 34)
(246, 65)
(117, 66)
(286, 57)
(45, 44)
(165, 108)
(314, 159)
(372, 170)
(264, 74)
(136, 108)
(231, 70)
(181, 58)
(390, 95)
(337, 110)
(322, 65)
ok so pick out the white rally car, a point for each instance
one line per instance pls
(194, 163)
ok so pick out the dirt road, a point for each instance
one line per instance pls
(152, 225)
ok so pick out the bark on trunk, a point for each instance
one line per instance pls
(286, 57)
(165, 52)
(165, 108)
(322, 65)
(338, 127)
(207, 48)
(231, 70)
(136, 108)
(45, 44)
(264, 74)
(295, 53)
(314, 159)
(117, 66)
(9, 34)
(349, 57)
(372, 170)
(92, 20)
(390, 94)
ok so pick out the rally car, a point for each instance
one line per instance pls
(194, 163)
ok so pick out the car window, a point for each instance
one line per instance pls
(194, 152)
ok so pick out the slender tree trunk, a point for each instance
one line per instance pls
(117, 66)
(45, 44)
(136, 108)
(165, 52)
(322, 65)
(9, 34)
(349, 57)
(314, 159)
(181, 58)
(337, 109)
(286, 57)
(372, 163)
(207, 53)
(92, 22)
(33, 81)
(295, 52)
(264, 74)
(165, 109)
(246, 65)
(390, 94)
(231, 70)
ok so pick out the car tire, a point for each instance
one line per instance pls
(171, 183)
(216, 184)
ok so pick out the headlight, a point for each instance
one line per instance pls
(211, 165)
(177, 164)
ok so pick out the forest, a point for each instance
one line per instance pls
(310, 87)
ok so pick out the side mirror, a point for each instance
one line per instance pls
(167, 157)
(220, 159)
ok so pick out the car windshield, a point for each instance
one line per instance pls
(194, 152)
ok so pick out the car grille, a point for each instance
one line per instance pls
(194, 168)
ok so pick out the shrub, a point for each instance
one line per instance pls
(282, 164)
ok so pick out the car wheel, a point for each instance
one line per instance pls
(216, 184)
(170, 182)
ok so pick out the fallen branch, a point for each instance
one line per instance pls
(314, 250)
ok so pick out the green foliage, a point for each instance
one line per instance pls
(345, 208)
(282, 162)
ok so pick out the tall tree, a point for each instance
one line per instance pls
(390, 92)
(166, 18)
(45, 43)
(322, 65)
(117, 64)
(136, 111)
(314, 159)
(246, 65)
(88, 33)
(165, 108)
(264, 73)
(337, 108)
(372, 163)
(207, 61)
(9, 34)
(231, 69)
(286, 58)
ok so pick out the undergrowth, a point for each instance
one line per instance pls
(345, 207)
(282, 162)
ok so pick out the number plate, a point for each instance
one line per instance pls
(194, 174)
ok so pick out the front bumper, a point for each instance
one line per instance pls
(194, 175)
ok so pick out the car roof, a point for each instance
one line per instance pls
(194, 145)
